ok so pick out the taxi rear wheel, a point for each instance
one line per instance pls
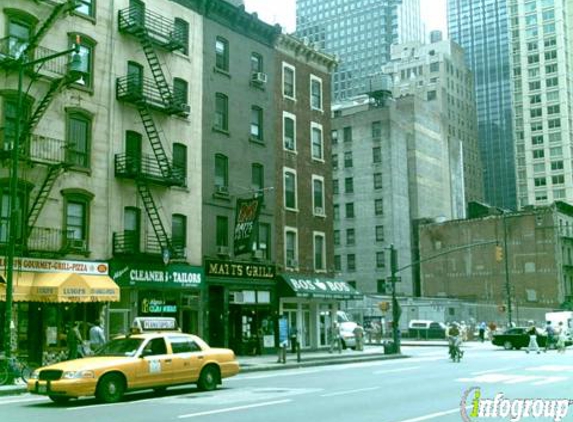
(209, 378)
(110, 389)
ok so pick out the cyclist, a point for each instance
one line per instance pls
(454, 341)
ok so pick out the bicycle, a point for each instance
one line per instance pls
(12, 369)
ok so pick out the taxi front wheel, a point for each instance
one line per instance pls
(110, 389)
(209, 378)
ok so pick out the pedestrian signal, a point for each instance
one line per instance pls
(498, 254)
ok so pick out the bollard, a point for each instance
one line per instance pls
(298, 351)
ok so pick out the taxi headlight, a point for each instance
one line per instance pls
(35, 375)
(78, 374)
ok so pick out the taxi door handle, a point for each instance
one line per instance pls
(200, 357)
(167, 360)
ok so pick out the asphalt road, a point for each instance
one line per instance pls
(424, 387)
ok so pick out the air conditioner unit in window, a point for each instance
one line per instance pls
(79, 244)
(223, 250)
(221, 189)
(259, 77)
(292, 263)
(318, 211)
(289, 144)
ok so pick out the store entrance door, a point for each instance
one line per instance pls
(117, 322)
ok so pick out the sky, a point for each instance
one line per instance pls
(283, 12)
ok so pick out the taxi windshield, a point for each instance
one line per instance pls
(120, 347)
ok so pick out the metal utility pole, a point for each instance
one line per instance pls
(506, 263)
(396, 311)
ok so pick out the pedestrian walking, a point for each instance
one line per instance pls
(532, 332)
(74, 341)
(550, 333)
(335, 339)
(482, 328)
(561, 338)
(97, 336)
(359, 336)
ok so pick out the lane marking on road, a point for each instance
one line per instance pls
(342, 393)
(433, 415)
(21, 400)
(233, 409)
(551, 368)
(387, 371)
(489, 371)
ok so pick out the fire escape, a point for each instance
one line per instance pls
(35, 148)
(150, 95)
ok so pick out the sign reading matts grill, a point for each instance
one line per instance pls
(246, 217)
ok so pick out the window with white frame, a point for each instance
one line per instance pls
(319, 246)
(289, 181)
(289, 81)
(316, 141)
(318, 195)
(291, 247)
(289, 131)
(315, 93)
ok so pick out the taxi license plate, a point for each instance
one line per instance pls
(42, 388)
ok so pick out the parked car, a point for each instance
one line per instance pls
(516, 338)
(153, 360)
(425, 329)
(347, 328)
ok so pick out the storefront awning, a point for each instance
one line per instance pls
(319, 287)
(71, 287)
(21, 288)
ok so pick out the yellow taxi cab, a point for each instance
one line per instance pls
(143, 360)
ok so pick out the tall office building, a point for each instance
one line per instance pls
(481, 28)
(360, 33)
(542, 100)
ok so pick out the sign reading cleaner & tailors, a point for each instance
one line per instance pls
(147, 275)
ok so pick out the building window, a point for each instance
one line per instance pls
(257, 178)
(289, 131)
(179, 234)
(351, 262)
(334, 161)
(318, 195)
(221, 173)
(222, 231)
(431, 95)
(347, 134)
(317, 142)
(78, 139)
(377, 180)
(347, 159)
(334, 136)
(337, 263)
(291, 248)
(350, 237)
(256, 62)
(76, 218)
(315, 93)
(86, 7)
(558, 179)
(376, 130)
(181, 34)
(336, 237)
(257, 123)
(180, 92)
(221, 112)
(538, 153)
(5, 215)
(180, 161)
(376, 155)
(380, 260)
(336, 212)
(378, 207)
(319, 252)
(222, 54)
(335, 187)
(289, 87)
(290, 189)
(379, 233)
(86, 53)
(349, 185)
(350, 210)
(20, 30)
(264, 240)
(381, 287)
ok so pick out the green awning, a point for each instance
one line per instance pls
(319, 287)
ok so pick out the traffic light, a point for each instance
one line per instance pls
(498, 253)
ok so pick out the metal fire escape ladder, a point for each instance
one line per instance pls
(155, 66)
(57, 12)
(153, 214)
(54, 171)
(153, 134)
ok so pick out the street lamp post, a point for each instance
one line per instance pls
(506, 264)
(395, 306)
(14, 209)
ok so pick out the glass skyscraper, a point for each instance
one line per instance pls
(360, 33)
(481, 27)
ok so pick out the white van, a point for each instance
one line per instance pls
(346, 329)
(426, 329)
